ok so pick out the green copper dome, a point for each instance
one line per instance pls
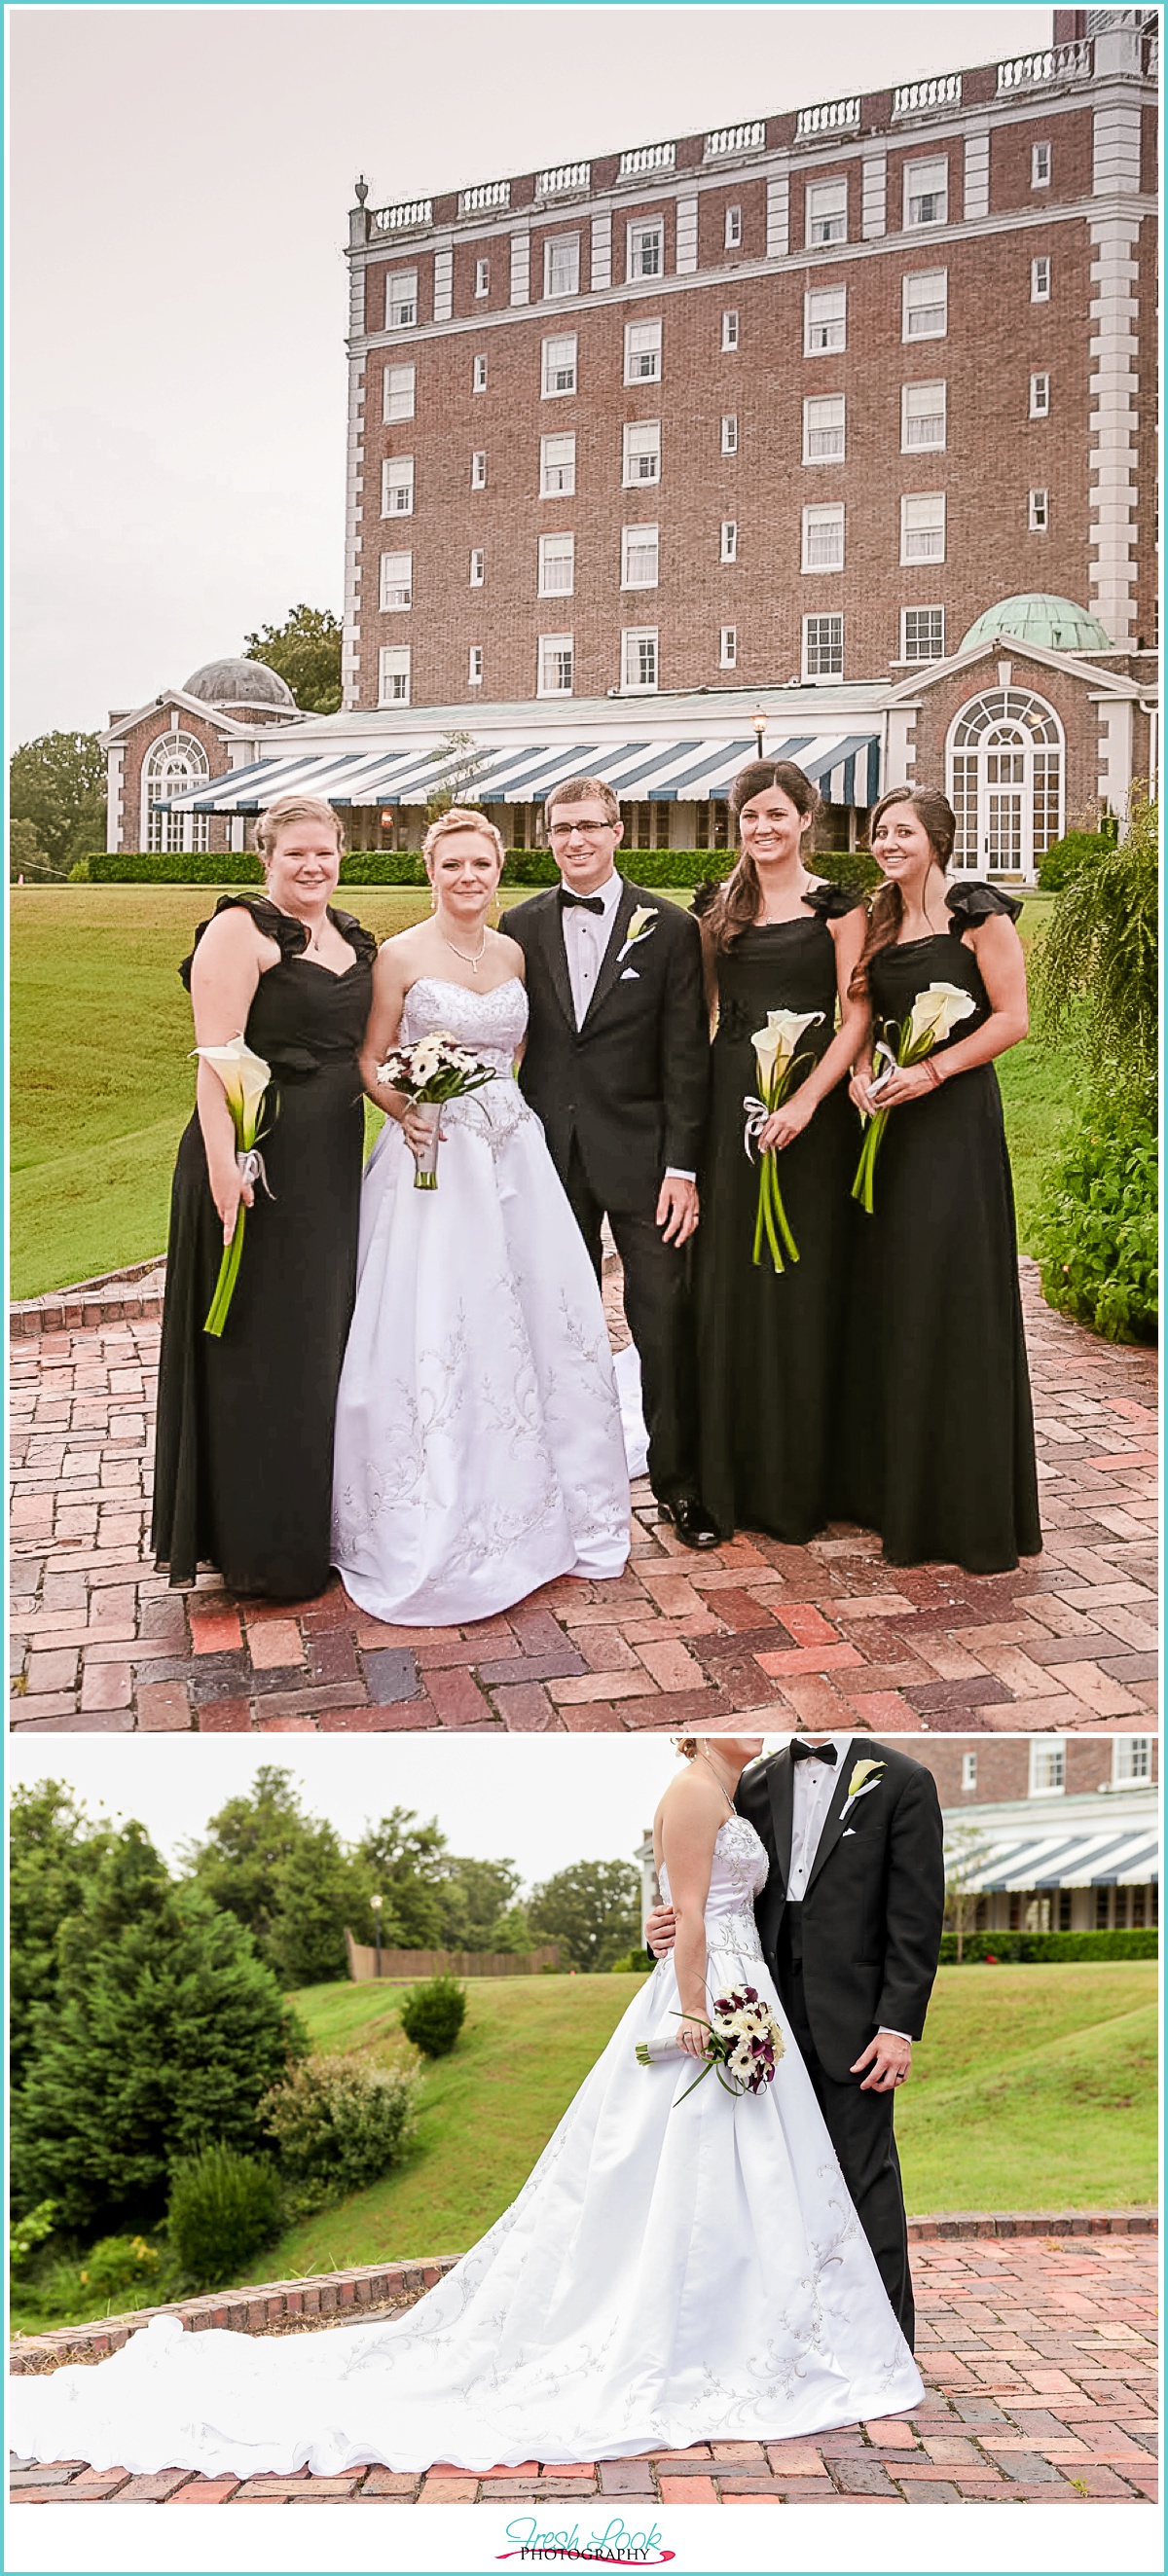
(1035, 617)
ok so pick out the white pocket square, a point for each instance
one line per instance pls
(630, 976)
(849, 1833)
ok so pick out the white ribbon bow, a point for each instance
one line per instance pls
(251, 1168)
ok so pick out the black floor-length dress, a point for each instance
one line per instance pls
(243, 1473)
(937, 1448)
(768, 1342)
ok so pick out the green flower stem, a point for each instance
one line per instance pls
(228, 1274)
(771, 1219)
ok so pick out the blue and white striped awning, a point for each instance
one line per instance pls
(1125, 1857)
(845, 767)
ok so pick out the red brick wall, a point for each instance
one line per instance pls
(152, 729)
(1068, 697)
(1069, 133)
(1003, 1765)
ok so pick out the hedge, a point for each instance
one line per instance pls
(1014, 1948)
(404, 867)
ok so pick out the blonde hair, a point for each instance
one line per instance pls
(461, 818)
(688, 1746)
(295, 809)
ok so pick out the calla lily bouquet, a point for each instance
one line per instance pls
(936, 1011)
(745, 2039)
(430, 1073)
(778, 1062)
(245, 1078)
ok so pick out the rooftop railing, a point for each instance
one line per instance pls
(916, 96)
(728, 139)
(835, 116)
(566, 181)
(647, 158)
(406, 218)
(1055, 63)
(485, 200)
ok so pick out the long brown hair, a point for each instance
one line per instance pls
(887, 914)
(735, 906)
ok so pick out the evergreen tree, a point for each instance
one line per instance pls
(53, 1852)
(592, 1909)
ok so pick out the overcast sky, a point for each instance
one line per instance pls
(180, 181)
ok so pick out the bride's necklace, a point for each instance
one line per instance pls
(708, 1757)
(474, 963)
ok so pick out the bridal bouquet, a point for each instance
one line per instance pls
(935, 1012)
(778, 1063)
(245, 1078)
(430, 1073)
(745, 2039)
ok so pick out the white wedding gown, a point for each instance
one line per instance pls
(672, 2272)
(478, 1450)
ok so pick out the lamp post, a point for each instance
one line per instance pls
(377, 1902)
(758, 720)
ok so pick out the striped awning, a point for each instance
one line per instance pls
(845, 767)
(1127, 1857)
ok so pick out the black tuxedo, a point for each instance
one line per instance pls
(857, 1954)
(621, 1099)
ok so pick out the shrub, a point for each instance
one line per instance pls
(532, 868)
(1064, 858)
(433, 2014)
(1096, 1235)
(24, 2233)
(635, 1963)
(222, 2208)
(117, 2264)
(1012, 1949)
(337, 2125)
(1101, 951)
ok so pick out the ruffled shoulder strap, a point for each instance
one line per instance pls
(361, 941)
(975, 902)
(291, 936)
(832, 901)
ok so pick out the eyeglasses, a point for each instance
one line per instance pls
(592, 825)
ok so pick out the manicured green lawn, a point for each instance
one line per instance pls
(102, 1085)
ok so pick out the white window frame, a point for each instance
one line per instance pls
(643, 343)
(561, 251)
(1131, 1760)
(1040, 395)
(482, 277)
(478, 470)
(822, 617)
(938, 280)
(478, 374)
(565, 467)
(401, 307)
(554, 647)
(1040, 165)
(397, 477)
(1038, 510)
(728, 542)
(552, 365)
(931, 608)
(174, 764)
(634, 455)
(398, 401)
(556, 552)
(395, 580)
(1040, 279)
(1048, 1766)
(918, 195)
(727, 648)
(826, 212)
(913, 526)
(822, 519)
(645, 229)
(642, 539)
(914, 414)
(393, 667)
(825, 332)
(730, 330)
(474, 667)
(636, 642)
(732, 229)
(478, 567)
(815, 425)
(969, 1770)
(729, 433)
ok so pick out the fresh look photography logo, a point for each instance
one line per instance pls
(615, 2546)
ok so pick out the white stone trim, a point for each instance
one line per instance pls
(443, 285)
(1116, 160)
(1112, 460)
(601, 253)
(874, 217)
(115, 768)
(685, 259)
(977, 175)
(521, 266)
(351, 633)
(1115, 754)
(778, 225)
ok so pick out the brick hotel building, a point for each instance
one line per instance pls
(834, 426)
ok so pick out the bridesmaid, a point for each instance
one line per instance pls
(937, 1451)
(776, 938)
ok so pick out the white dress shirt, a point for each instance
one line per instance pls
(813, 1788)
(586, 939)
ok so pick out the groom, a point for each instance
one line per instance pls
(850, 1924)
(617, 1069)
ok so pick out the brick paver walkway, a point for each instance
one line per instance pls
(821, 1636)
(1039, 2362)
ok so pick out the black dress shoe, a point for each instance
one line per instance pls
(692, 1522)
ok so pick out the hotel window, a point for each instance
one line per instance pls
(926, 194)
(561, 265)
(555, 666)
(397, 487)
(827, 212)
(823, 429)
(478, 470)
(1102, 1909)
(397, 581)
(823, 648)
(922, 416)
(557, 566)
(728, 547)
(397, 393)
(1040, 281)
(1131, 1759)
(1040, 165)
(474, 672)
(478, 568)
(478, 375)
(922, 634)
(401, 299)
(729, 330)
(732, 230)
(640, 558)
(1038, 513)
(393, 675)
(925, 304)
(728, 648)
(482, 277)
(729, 433)
(642, 353)
(1040, 397)
(922, 527)
(969, 1770)
(823, 537)
(639, 657)
(1048, 1766)
(557, 466)
(645, 250)
(558, 368)
(825, 322)
(642, 452)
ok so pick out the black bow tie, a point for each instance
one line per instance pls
(580, 902)
(814, 1753)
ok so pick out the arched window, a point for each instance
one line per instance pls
(1005, 769)
(173, 765)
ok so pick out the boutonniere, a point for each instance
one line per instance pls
(641, 926)
(866, 1776)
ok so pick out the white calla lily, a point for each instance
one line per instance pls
(775, 1045)
(936, 1011)
(245, 1078)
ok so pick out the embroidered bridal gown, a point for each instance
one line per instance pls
(478, 1448)
(672, 2272)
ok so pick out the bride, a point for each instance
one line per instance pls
(478, 1449)
(674, 2270)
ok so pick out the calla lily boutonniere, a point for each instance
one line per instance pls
(641, 926)
(866, 1776)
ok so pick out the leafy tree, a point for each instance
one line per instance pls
(284, 1876)
(479, 1909)
(404, 1862)
(967, 1856)
(54, 1852)
(593, 1909)
(1101, 955)
(306, 651)
(163, 2036)
(458, 787)
(58, 784)
(25, 855)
